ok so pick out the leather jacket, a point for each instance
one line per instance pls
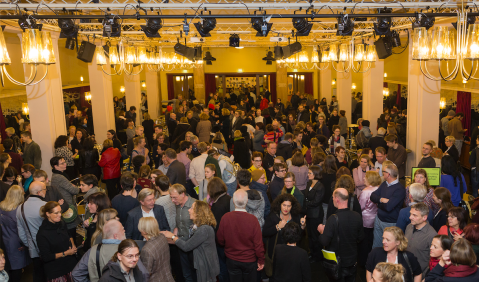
(89, 158)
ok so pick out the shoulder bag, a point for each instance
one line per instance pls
(332, 268)
(28, 228)
(98, 259)
(408, 265)
(268, 261)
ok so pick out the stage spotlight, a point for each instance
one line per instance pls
(269, 58)
(302, 26)
(208, 58)
(261, 26)
(290, 50)
(68, 28)
(278, 52)
(395, 39)
(185, 51)
(151, 28)
(111, 28)
(25, 23)
(470, 20)
(383, 25)
(424, 21)
(234, 40)
(345, 26)
(204, 28)
(70, 43)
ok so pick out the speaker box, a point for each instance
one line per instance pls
(291, 49)
(86, 51)
(383, 47)
(278, 52)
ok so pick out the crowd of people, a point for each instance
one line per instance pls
(241, 189)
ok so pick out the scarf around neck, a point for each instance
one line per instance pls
(460, 270)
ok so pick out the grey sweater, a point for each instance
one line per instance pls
(69, 192)
(205, 257)
(32, 154)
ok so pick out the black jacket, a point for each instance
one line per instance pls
(439, 220)
(172, 124)
(295, 101)
(241, 153)
(179, 134)
(275, 187)
(377, 141)
(220, 208)
(177, 172)
(328, 181)
(290, 263)
(356, 206)
(378, 255)
(305, 116)
(314, 199)
(53, 194)
(193, 123)
(454, 153)
(437, 275)
(133, 218)
(333, 120)
(53, 238)
(268, 162)
(284, 150)
(89, 159)
(112, 273)
(75, 144)
(3, 190)
(269, 230)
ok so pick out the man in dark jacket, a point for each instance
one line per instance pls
(176, 171)
(52, 193)
(378, 141)
(276, 185)
(131, 114)
(303, 114)
(268, 160)
(295, 100)
(285, 148)
(147, 208)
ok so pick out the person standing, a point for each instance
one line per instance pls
(32, 154)
(110, 162)
(397, 154)
(268, 160)
(427, 161)
(126, 200)
(341, 234)
(176, 171)
(445, 122)
(240, 234)
(455, 129)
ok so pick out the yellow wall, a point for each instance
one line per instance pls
(71, 67)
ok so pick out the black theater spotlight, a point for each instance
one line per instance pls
(302, 26)
(269, 58)
(291, 49)
(262, 26)
(395, 39)
(111, 28)
(383, 24)
(185, 51)
(208, 58)
(423, 21)
(234, 40)
(68, 28)
(151, 28)
(204, 28)
(25, 23)
(345, 26)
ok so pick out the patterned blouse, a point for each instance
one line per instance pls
(66, 154)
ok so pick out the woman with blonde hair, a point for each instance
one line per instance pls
(290, 188)
(299, 169)
(103, 217)
(394, 251)
(16, 253)
(202, 242)
(219, 141)
(360, 172)
(140, 148)
(155, 254)
(203, 128)
(388, 272)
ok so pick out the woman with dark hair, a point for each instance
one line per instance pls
(383, 120)
(290, 263)
(27, 172)
(96, 203)
(258, 136)
(420, 176)
(111, 134)
(322, 127)
(457, 265)
(439, 245)
(55, 244)
(456, 221)
(11, 177)
(285, 208)
(471, 234)
(345, 181)
(125, 260)
(89, 158)
(442, 198)
(148, 125)
(110, 162)
(452, 179)
(314, 194)
(299, 169)
(328, 179)
(61, 150)
(77, 142)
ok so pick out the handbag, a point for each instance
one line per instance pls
(268, 262)
(28, 228)
(332, 268)
(408, 265)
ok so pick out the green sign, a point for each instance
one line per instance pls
(433, 175)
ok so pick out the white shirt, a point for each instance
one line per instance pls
(197, 168)
(380, 166)
(147, 214)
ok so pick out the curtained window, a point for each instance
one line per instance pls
(464, 106)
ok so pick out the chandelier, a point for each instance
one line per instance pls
(37, 49)
(125, 58)
(450, 48)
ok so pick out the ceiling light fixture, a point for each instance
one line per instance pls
(302, 26)
(269, 58)
(345, 26)
(383, 24)
(234, 40)
(208, 58)
(262, 26)
(111, 28)
(151, 28)
(205, 27)
(68, 28)
(423, 21)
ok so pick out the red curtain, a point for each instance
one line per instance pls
(272, 86)
(2, 124)
(464, 106)
(210, 86)
(308, 83)
(398, 97)
(171, 86)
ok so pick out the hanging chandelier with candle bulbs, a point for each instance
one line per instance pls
(450, 47)
(37, 49)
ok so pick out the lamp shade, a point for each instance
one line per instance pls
(48, 55)
(100, 56)
(333, 53)
(4, 57)
(142, 58)
(441, 44)
(32, 47)
(472, 45)
(344, 52)
(420, 44)
(359, 55)
(130, 55)
(113, 56)
(371, 53)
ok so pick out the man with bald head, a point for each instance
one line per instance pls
(28, 213)
(240, 234)
(349, 225)
(88, 269)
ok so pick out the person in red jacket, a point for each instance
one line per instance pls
(264, 103)
(110, 162)
(240, 234)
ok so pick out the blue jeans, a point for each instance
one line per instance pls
(189, 271)
(475, 181)
(378, 231)
(224, 275)
(231, 187)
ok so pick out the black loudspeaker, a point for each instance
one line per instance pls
(383, 48)
(291, 49)
(86, 51)
(278, 52)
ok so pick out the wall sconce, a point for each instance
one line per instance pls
(143, 84)
(302, 77)
(353, 86)
(122, 89)
(385, 92)
(88, 97)
(26, 110)
(81, 78)
(333, 82)
(240, 70)
(385, 75)
(177, 78)
(442, 103)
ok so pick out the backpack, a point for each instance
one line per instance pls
(230, 170)
(131, 158)
(361, 140)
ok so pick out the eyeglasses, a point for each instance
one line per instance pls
(132, 256)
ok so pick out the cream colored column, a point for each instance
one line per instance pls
(373, 94)
(153, 93)
(344, 93)
(101, 100)
(422, 111)
(199, 82)
(325, 86)
(133, 94)
(45, 101)
(282, 84)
